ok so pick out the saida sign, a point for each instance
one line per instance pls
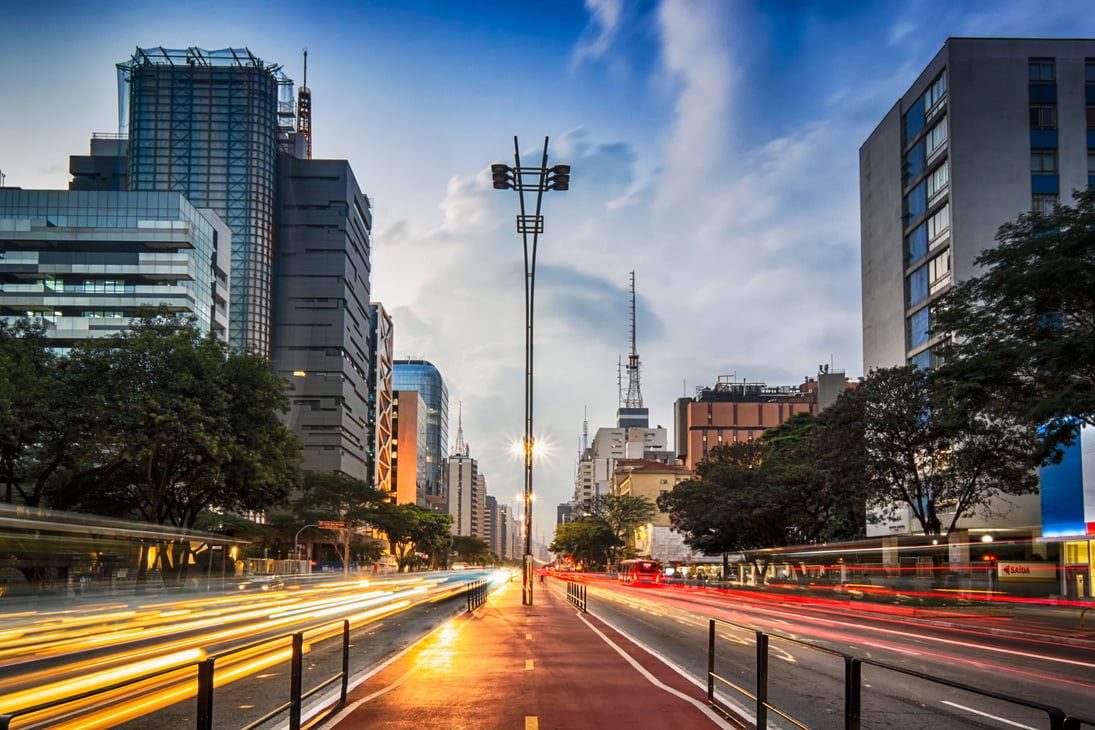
(1026, 570)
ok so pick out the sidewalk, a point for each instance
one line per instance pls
(525, 667)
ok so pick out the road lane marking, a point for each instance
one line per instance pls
(532, 723)
(528, 664)
(714, 717)
(893, 648)
(528, 637)
(985, 714)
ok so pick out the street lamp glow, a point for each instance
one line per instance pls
(538, 180)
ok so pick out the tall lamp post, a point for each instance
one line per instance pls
(529, 180)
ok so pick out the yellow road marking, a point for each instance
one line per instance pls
(532, 722)
(528, 664)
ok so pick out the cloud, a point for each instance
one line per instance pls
(599, 33)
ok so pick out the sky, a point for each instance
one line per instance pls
(714, 152)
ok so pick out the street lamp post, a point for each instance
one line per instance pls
(523, 180)
(296, 541)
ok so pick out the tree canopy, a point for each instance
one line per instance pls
(1023, 332)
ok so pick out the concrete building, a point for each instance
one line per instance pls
(467, 492)
(736, 411)
(652, 479)
(207, 124)
(422, 376)
(610, 445)
(86, 261)
(321, 312)
(992, 127)
(410, 425)
(380, 388)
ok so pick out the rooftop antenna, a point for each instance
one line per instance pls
(460, 448)
(634, 394)
(304, 109)
(585, 429)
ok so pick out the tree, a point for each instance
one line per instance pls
(588, 540)
(336, 497)
(935, 455)
(193, 426)
(471, 550)
(1023, 332)
(412, 530)
(621, 513)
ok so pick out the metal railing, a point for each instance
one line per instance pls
(853, 684)
(477, 594)
(205, 682)
(576, 594)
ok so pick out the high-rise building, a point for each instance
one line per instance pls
(409, 424)
(422, 376)
(207, 124)
(321, 313)
(466, 491)
(85, 262)
(993, 127)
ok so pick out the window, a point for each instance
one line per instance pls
(918, 286)
(1043, 162)
(1043, 116)
(915, 161)
(1090, 116)
(1091, 162)
(1043, 202)
(919, 324)
(939, 272)
(933, 97)
(917, 201)
(937, 181)
(939, 224)
(937, 137)
(1042, 69)
(917, 243)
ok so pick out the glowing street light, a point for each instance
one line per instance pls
(529, 180)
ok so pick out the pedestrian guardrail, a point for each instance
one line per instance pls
(853, 684)
(576, 594)
(206, 674)
(477, 594)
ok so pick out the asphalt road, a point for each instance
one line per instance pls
(1000, 655)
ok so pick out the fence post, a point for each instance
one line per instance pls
(853, 692)
(205, 695)
(345, 660)
(762, 679)
(711, 661)
(296, 678)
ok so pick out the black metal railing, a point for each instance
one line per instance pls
(576, 594)
(477, 594)
(853, 684)
(206, 672)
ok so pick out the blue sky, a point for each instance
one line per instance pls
(714, 146)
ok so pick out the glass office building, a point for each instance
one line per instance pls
(206, 124)
(86, 261)
(422, 376)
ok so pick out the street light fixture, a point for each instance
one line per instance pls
(296, 541)
(528, 180)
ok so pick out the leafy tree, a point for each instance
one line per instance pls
(589, 541)
(935, 455)
(622, 513)
(1024, 331)
(193, 427)
(27, 401)
(471, 549)
(412, 530)
(325, 496)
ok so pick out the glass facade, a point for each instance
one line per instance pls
(70, 257)
(423, 377)
(205, 123)
(926, 193)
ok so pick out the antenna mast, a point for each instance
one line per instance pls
(460, 448)
(634, 394)
(304, 109)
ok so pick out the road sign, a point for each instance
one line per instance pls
(330, 525)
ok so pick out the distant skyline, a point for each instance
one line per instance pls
(714, 147)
